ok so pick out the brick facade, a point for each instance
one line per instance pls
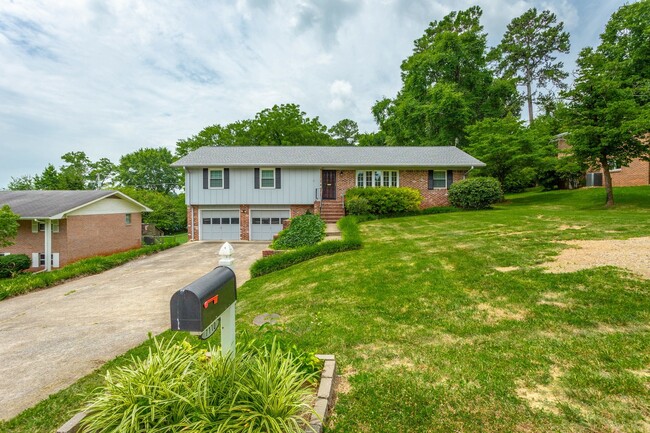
(300, 209)
(635, 174)
(81, 236)
(244, 219)
(345, 179)
(419, 179)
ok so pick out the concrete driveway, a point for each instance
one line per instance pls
(51, 338)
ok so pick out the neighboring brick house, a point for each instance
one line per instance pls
(246, 193)
(637, 173)
(71, 225)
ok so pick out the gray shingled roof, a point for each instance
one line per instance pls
(47, 204)
(328, 156)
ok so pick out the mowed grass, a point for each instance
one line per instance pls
(430, 337)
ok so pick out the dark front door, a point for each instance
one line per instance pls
(329, 184)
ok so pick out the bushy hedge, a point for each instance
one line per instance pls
(13, 264)
(351, 241)
(475, 193)
(382, 201)
(308, 229)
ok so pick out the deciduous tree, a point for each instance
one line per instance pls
(8, 226)
(148, 169)
(608, 108)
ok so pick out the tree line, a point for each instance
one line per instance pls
(456, 91)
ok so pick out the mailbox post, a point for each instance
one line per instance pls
(205, 303)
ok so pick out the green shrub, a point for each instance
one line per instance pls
(382, 201)
(519, 180)
(475, 193)
(13, 264)
(178, 387)
(304, 230)
(351, 241)
(357, 206)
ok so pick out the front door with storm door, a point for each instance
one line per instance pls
(329, 184)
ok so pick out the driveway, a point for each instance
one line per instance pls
(51, 338)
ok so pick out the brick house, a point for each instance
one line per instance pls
(246, 193)
(637, 173)
(71, 225)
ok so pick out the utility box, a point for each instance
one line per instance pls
(198, 306)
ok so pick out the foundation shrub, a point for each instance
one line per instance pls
(475, 193)
(304, 230)
(382, 201)
(13, 264)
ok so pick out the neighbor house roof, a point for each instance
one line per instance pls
(328, 156)
(55, 204)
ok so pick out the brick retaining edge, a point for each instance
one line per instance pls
(324, 400)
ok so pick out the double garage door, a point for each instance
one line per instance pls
(224, 225)
(266, 223)
(220, 225)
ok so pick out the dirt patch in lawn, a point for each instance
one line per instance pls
(496, 314)
(544, 396)
(631, 254)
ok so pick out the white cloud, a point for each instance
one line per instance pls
(111, 77)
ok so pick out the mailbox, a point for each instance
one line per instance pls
(198, 306)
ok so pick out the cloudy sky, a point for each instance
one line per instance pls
(110, 77)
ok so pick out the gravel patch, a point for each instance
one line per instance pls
(631, 254)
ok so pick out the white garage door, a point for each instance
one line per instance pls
(266, 223)
(220, 225)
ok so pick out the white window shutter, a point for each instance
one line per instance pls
(55, 260)
(34, 226)
(36, 262)
(55, 226)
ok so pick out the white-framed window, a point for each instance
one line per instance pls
(127, 219)
(267, 178)
(40, 227)
(439, 179)
(614, 166)
(377, 178)
(38, 259)
(216, 178)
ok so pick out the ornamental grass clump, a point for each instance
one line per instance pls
(179, 388)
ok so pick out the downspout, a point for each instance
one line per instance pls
(467, 172)
(192, 224)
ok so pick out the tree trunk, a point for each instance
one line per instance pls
(609, 190)
(529, 97)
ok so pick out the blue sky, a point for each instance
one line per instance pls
(110, 77)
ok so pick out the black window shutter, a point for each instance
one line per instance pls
(257, 178)
(226, 178)
(278, 178)
(430, 179)
(450, 177)
(206, 173)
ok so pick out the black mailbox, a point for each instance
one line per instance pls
(197, 306)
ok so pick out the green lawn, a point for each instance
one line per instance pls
(430, 337)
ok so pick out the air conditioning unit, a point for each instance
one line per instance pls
(594, 179)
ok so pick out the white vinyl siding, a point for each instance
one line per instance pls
(377, 178)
